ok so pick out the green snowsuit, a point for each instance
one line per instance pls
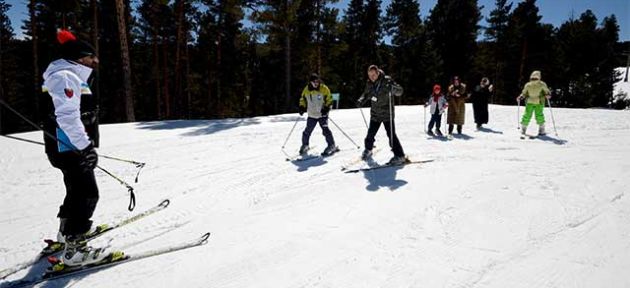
(534, 92)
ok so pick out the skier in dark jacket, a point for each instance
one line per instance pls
(379, 90)
(70, 114)
(480, 97)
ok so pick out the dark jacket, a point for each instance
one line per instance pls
(378, 93)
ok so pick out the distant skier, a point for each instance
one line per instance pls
(317, 101)
(437, 105)
(535, 92)
(379, 90)
(480, 98)
(71, 113)
(456, 105)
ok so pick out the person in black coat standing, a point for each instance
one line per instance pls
(379, 90)
(480, 98)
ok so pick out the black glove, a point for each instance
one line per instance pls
(301, 110)
(360, 102)
(325, 110)
(89, 158)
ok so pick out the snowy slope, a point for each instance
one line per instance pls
(492, 210)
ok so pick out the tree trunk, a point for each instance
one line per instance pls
(126, 66)
(167, 96)
(319, 36)
(287, 49)
(95, 87)
(188, 93)
(36, 82)
(521, 76)
(219, 107)
(156, 76)
(178, 58)
(1, 86)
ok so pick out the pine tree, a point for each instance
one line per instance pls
(453, 28)
(126, 66)
(495, 62)
(414, 64)
(6, 33)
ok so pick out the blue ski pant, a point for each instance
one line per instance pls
(310, 125)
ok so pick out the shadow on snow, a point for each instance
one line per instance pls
(202, 127)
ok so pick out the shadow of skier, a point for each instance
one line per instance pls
(385, 177)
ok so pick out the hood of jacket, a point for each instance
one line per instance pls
(82, 71)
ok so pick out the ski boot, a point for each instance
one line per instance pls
(438, 133)
(430, 133)
(366, 154)
(397, 160)
(330, 150)
(77, 252)
(541, 130)
(304, 150)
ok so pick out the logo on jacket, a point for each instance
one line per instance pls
(69, 92)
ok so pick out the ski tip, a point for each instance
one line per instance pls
(204, 238)
(165, 203)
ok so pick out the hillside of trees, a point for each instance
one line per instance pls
(201, 59)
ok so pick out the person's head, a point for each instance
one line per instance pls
(535, 76)
(76, 50)
(314, 80)
(485, 81)
(373, 73)
(456, 80)
(437, 89)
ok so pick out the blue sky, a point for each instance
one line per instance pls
(553, 11)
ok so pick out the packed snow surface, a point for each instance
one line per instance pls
(492, 210)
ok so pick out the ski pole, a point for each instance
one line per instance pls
(391, 120)
(424, 119)
(132, 196)
(518, 111)
(364, 121)
(138, 164)
(288, 136)
(552, 119)
(344, 133)
(291, 132)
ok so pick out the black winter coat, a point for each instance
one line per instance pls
(378, 93)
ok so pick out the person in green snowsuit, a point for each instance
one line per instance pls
(535, 92)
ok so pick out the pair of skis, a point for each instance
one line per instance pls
(386, 165)
(306, 157)
(347, 168)
(54, 247)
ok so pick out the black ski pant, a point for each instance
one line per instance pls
(310, 125)
(81, 193)
(390, 128)
(436, 119)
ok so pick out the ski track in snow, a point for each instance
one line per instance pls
(492, 210)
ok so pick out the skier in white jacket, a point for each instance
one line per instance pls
(70, 114)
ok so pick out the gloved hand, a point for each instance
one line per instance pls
(520, 98)
(325, 110)
(360, 101)
(301, 110)
(89, 158)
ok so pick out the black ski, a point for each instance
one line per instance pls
(386, 166)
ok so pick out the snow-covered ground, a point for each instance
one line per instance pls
(492, 210)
